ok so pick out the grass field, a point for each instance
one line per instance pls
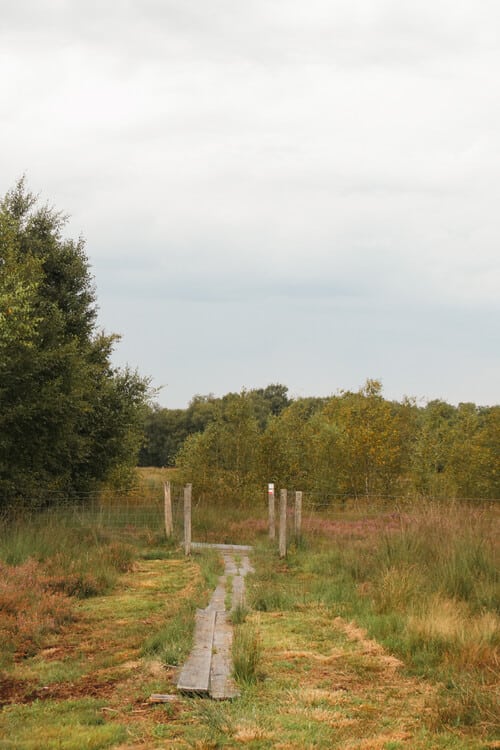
(379, 630)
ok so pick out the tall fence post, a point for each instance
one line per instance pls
(272, 512)
(187, 519)
(298, 516)
(169, 524)
(282, 531)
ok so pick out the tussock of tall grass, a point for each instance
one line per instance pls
(463, 703)
(468, 640)
(450, 550)
(80, 561)
(239, 614)
(398, 588)
(246, 653)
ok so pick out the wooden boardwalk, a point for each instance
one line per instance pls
(208, 670)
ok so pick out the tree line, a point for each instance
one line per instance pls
(352, 444)
(68, 419)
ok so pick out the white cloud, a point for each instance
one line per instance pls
(268, 154)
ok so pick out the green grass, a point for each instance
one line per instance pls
(173, 641)
(63, 725)
(239, 614)
(427, 590)
(246, 653)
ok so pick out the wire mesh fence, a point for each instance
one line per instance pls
(117, 510)
(231, 522)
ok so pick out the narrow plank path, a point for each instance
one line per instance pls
(208, 669)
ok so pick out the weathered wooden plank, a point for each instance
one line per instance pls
(218, 599)
(195, 674)
(163, 698)
(230, 567)
(238, 598)
(222, 685)
(246, 566)
(209, 667)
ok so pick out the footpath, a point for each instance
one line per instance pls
(208, 669)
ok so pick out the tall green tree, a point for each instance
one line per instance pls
(222, 461)
(68, 419)
(457, 451)
(165, 430)
(371, 448)
(287, 446)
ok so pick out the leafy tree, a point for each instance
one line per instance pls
(222, 461)
(457, 451)
(269, 402)
(369, 440)
(200, 412)
(287, 447)
(20, 279)
(165, 430)
(67, 418)
(430, 461)
(488, 479)
(351, 444)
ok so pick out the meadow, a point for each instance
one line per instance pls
(380, 629)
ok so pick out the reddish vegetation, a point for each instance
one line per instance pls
(249, 527)
(29, 608)
(359, 529)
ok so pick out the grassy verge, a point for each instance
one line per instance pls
(172, 642)
(88, 684)
(426, 588)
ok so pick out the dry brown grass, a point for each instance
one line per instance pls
(29, 609)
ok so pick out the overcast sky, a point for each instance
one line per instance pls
(304, 192)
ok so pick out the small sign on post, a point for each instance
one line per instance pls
(169, 526)
(271, 503)
(187, 519)
(282, 531)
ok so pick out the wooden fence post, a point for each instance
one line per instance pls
(169, 525)
(282, 531)
(298, 516)
(272, 513)
(187, 519)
